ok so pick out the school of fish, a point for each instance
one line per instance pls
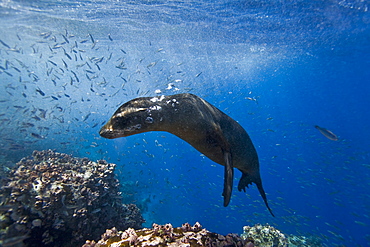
(52, 83)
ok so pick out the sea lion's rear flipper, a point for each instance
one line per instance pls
(246, 180)
(228, 179)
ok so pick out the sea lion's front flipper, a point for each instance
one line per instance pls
(228, 179)
(246, 179)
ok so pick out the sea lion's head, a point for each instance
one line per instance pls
(134, 117)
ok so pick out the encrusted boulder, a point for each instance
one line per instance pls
(264, 236)
(53, 199)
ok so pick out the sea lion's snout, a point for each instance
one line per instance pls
(106, 132)
(110, 131)
(125, 122)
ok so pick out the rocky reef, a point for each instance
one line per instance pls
(166, 235)
(53, 199)
(196, 236)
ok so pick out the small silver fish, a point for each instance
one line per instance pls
(40, 92)
(4, 44)
(92, 39)
(327, 133)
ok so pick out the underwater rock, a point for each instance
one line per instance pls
(264, 236)
(166, 235)
(53, 199)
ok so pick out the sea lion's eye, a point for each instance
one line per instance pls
(149, 120)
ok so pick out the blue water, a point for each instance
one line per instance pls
(277, 67)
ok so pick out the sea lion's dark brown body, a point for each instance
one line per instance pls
(197, 122)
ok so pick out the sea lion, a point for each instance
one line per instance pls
(199, 123)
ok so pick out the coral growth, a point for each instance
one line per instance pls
(56, 200)
(166, 235)
(264, 236)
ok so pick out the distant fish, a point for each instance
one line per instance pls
(53, 63)
(92, 39)
(65, 53)
(42, 113)
(26, 125)
(37, 136)
(40, 92)
(93, 45)
(65, 64)
(65, 38)
(4, 44)
(18, 70)
(45, 35)
(36, 118)
(78, 80)
(327, 133)
(152, 64)
(87, 116)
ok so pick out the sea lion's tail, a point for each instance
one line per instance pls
(246, 180)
